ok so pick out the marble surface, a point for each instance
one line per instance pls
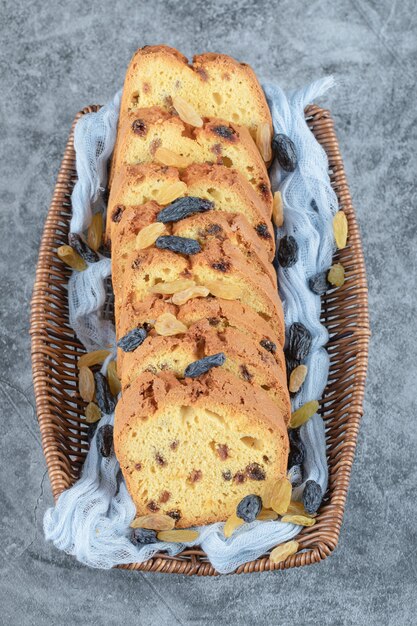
(57, 57)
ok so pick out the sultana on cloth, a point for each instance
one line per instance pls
(91, 519)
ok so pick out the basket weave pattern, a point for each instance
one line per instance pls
(55, 351)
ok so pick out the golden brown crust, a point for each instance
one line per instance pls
(135, 185)
(218, 386)
(225, 176)
(162, 48)
(231, 229)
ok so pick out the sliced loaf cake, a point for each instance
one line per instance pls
(204, 409)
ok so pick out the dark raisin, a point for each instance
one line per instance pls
(313, 205)
(204, 365)
(291, 364)
(82, 248)
(246, 375)
(176, 515)
(142, 536)
(104, 397)
(285, 152)
(287, 251)
(268, 345)
(180, 245)
(91, 431)
(132, 339)
(213, 229)
(138, 467)
(224, 131)
(183, 207)
(249, 508)
(202, 73)
(195, 476)
(221, 266)
(105, 440)
(152, 506)
(160, 459)
(255, 472)
(264, 189)
(319, 283)
(222, 451)
(312, 496)
(239, 477)
(299, 342)
(297, 448)
(213, 321)
(227, 475)
(139, 127)
(164, 497)
(117, 214)
(262, 230)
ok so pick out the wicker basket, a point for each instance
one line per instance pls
(55, 351)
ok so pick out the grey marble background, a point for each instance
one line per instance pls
(57, 57)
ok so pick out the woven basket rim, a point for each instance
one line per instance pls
(55, 351)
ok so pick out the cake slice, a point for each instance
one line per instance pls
(246, 359)
(135, 185)
(230, 230)
(219, 313)
(152, 135)
(193, 448)
(215, 85)
(224, 275)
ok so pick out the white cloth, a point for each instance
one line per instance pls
(86, 299)
(91, 519)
